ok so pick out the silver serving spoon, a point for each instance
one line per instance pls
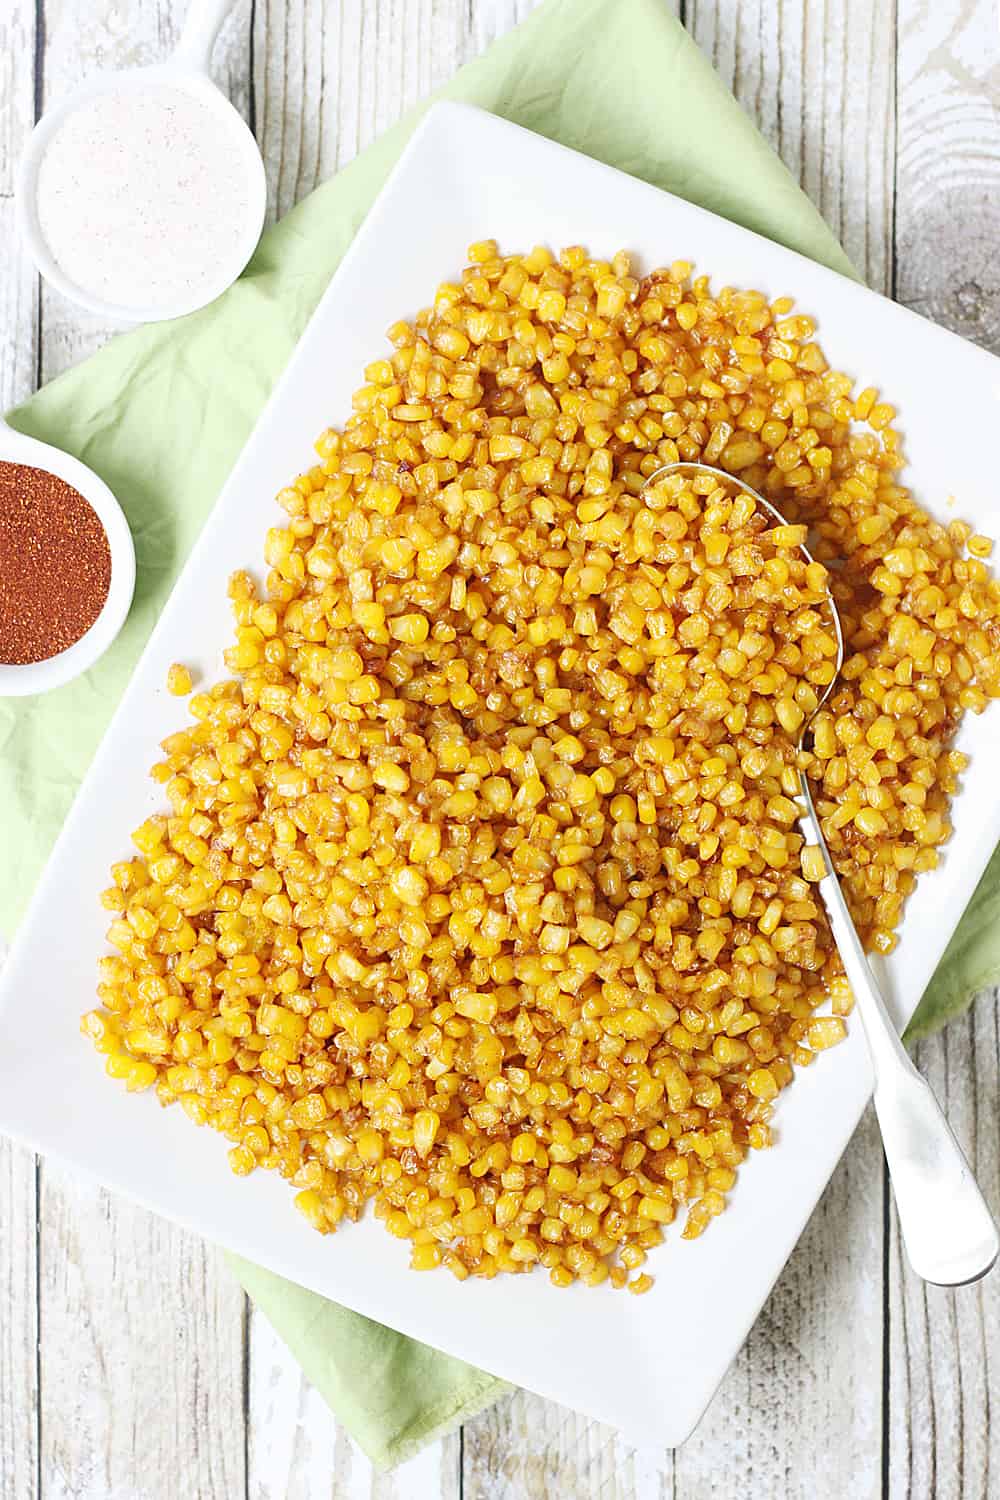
(948, 1230)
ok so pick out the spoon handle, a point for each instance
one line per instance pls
(201, 27)
(948, 1230)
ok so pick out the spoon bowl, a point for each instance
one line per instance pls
(949, 1232)
(735, 483)
(38, 677)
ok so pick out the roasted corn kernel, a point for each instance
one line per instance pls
(178, 680)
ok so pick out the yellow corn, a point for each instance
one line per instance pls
(477, 890)
(178, 680)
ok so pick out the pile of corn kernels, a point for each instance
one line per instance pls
(480, 892)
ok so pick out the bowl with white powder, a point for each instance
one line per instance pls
(142, 196)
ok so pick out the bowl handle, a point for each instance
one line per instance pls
(199, 31)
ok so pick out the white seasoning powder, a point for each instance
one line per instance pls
(143, 197)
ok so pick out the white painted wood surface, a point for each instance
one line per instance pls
(131, 1367)
(18, 376)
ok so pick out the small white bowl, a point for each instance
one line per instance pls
(180, 74)
(40, 676)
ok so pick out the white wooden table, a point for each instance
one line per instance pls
(131, 1366)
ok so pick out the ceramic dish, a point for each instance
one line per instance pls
(649, 1365)
(186, 74)
(24, 680)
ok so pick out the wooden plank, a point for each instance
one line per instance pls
(328, 78)
(944, 1361)
(491, 18)
(524, 1448)
(331, 75)
(948, 171)
(944, 1369)
(141, 1353)
(803, 1400)
(19, 284)
(817, 78)
(804, 1397)
(19, 1336)
(18, 366)
(298, 1451)
(142, 1327)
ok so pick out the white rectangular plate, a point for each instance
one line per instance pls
(649, 1365)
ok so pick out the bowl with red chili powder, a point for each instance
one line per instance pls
(67, 566)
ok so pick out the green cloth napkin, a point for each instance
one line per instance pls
(162, 413)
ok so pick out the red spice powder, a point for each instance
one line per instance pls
(55, 565)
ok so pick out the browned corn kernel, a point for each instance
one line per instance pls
(481, 893)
